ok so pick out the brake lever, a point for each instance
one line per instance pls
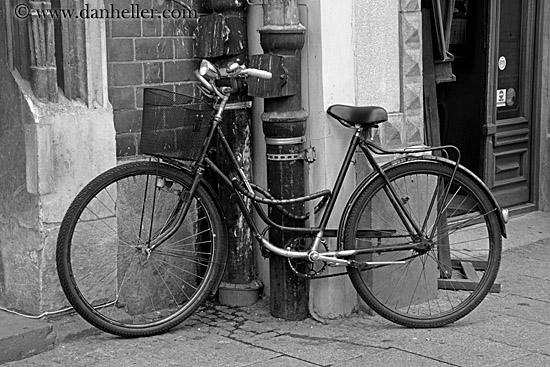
(234, 85)
(206, 92)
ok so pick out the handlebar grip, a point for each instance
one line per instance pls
(262, 74)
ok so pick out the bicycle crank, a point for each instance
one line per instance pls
(307, 268)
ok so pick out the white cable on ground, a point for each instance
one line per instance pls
(47, 313)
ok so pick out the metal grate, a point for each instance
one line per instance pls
(174, 125)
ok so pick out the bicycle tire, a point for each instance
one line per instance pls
(105, 269)
(436, 285)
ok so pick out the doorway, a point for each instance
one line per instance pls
(487, 111)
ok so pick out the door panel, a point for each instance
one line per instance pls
(508, 129)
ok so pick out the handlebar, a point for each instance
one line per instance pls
(210, 71)
(262, 74)
(205, 83)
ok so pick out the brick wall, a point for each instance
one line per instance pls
(146, 53)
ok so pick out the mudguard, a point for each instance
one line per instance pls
(406, 161)
(205, 185)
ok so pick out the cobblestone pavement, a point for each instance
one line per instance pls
(511, 328)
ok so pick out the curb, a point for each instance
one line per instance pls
(22, 337)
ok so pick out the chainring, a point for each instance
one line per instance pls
(303, 267)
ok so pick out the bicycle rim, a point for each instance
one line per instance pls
(459, 256)
(105, 262)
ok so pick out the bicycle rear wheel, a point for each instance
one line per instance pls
(458, 256)
(107, 267)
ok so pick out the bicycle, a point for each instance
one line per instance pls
(143, 244)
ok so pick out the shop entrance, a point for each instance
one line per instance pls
(487, 112)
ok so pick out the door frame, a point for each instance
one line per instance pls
(490, 126)
(538, 144)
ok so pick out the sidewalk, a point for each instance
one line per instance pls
(510, 328)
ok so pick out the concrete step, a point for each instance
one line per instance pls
(22, 337)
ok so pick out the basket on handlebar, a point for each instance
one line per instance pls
(173, 125)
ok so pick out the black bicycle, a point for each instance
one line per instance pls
(143, 244)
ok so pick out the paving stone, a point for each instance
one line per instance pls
(317, 351)
(510, 328)
(514, 331)
(283, 361)
(515, 263)
(529, 361)
(392, 357)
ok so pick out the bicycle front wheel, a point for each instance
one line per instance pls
(107, 263)
(456, 256)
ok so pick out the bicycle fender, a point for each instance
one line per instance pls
(466, 172)
(204, 184)
(409, 160)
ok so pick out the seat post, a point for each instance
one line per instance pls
(359, 129)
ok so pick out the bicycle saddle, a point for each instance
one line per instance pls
(352, 115)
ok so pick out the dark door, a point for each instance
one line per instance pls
(507, 132)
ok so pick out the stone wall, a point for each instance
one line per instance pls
(18, 208)
(48, 152)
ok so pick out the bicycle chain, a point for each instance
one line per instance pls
(354, 266)
(293, 243)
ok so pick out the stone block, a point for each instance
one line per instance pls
(127, 121)
(178, 71)
(188, 89)
(127, 74)
(122, 98)
(120, 49)
(145, 4)
(125, 27)
(154, 48)
(183, 47)
(152, 72)
(413, 130)
(118, 4)
(126, 145)
(390, 132)
(178, 27)
(151, 27)
(411, 30)
(412, 98)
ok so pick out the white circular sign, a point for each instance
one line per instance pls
(502, 63)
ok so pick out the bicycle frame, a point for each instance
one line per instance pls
(334, 257)
(427, 225)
